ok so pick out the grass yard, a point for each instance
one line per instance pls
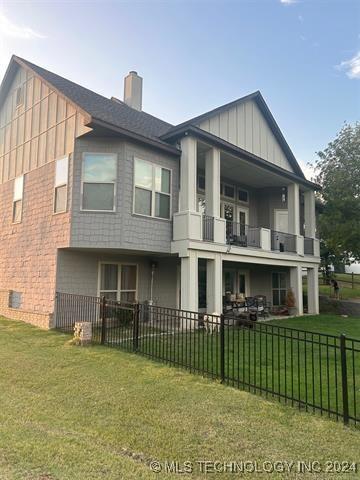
(346, 292)
(100, 413)
(297, 366)
(328, 324)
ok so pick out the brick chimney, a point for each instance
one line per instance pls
(133, 90)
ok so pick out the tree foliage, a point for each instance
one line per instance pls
(338, 172)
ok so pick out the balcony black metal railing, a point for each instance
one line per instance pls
(242, 235)
(308, 246)
(208, 228)
(283, 242)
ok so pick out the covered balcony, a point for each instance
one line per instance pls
(227, 200)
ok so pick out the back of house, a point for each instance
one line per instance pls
(100, 198)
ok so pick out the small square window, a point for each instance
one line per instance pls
(243, 195)
(229, 191)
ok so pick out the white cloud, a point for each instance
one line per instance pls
(288, 2)
(351, 67)
(300, 18)
(11, 29)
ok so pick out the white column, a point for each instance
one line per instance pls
(189, 282)
(296, 285)
(212, 182)
(309, 213)
(188, 167)
(214, 285)
(313, 290)
(294, 208)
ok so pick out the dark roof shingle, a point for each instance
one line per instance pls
(101, 108)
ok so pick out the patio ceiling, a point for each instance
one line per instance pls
(242, 171)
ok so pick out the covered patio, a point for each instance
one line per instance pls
(217, 283)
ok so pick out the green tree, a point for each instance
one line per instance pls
(338, 172)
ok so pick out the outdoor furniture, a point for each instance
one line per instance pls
(259, 304)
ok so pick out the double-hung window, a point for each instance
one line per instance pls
(118, 282)
(152, 189)
(99, 182)
(279, 288)
(18, 199)
(61, 182)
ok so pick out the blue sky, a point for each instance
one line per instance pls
(303, 55)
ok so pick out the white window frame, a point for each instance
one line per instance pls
(18, 198)
(240, 189)
(56, 185)
(109, 183)
(278, 289)
(232, 186)
(152, 190)
(119, 291)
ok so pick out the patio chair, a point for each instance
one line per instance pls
(263, 305)
(258, 304)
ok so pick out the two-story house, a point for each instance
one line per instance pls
(98, 197)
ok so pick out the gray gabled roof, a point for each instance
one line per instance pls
(115, 113)
(116, 116)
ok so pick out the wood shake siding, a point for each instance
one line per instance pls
(37, 131)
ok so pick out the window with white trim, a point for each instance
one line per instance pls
(152, 189)
(229, 190)
(18, 199)
(118, 282)
(61, 182)
(243, 195)
(279, 288)
(99, 182)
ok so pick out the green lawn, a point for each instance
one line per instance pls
(346, 292)
(100, 413)
(298, 366)
(329, 324)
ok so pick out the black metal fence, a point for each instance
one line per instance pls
(283, 242)
(312, 371)
(208, 228)
(242, 235)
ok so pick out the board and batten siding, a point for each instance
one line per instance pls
(245, 126)
(38, 131)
